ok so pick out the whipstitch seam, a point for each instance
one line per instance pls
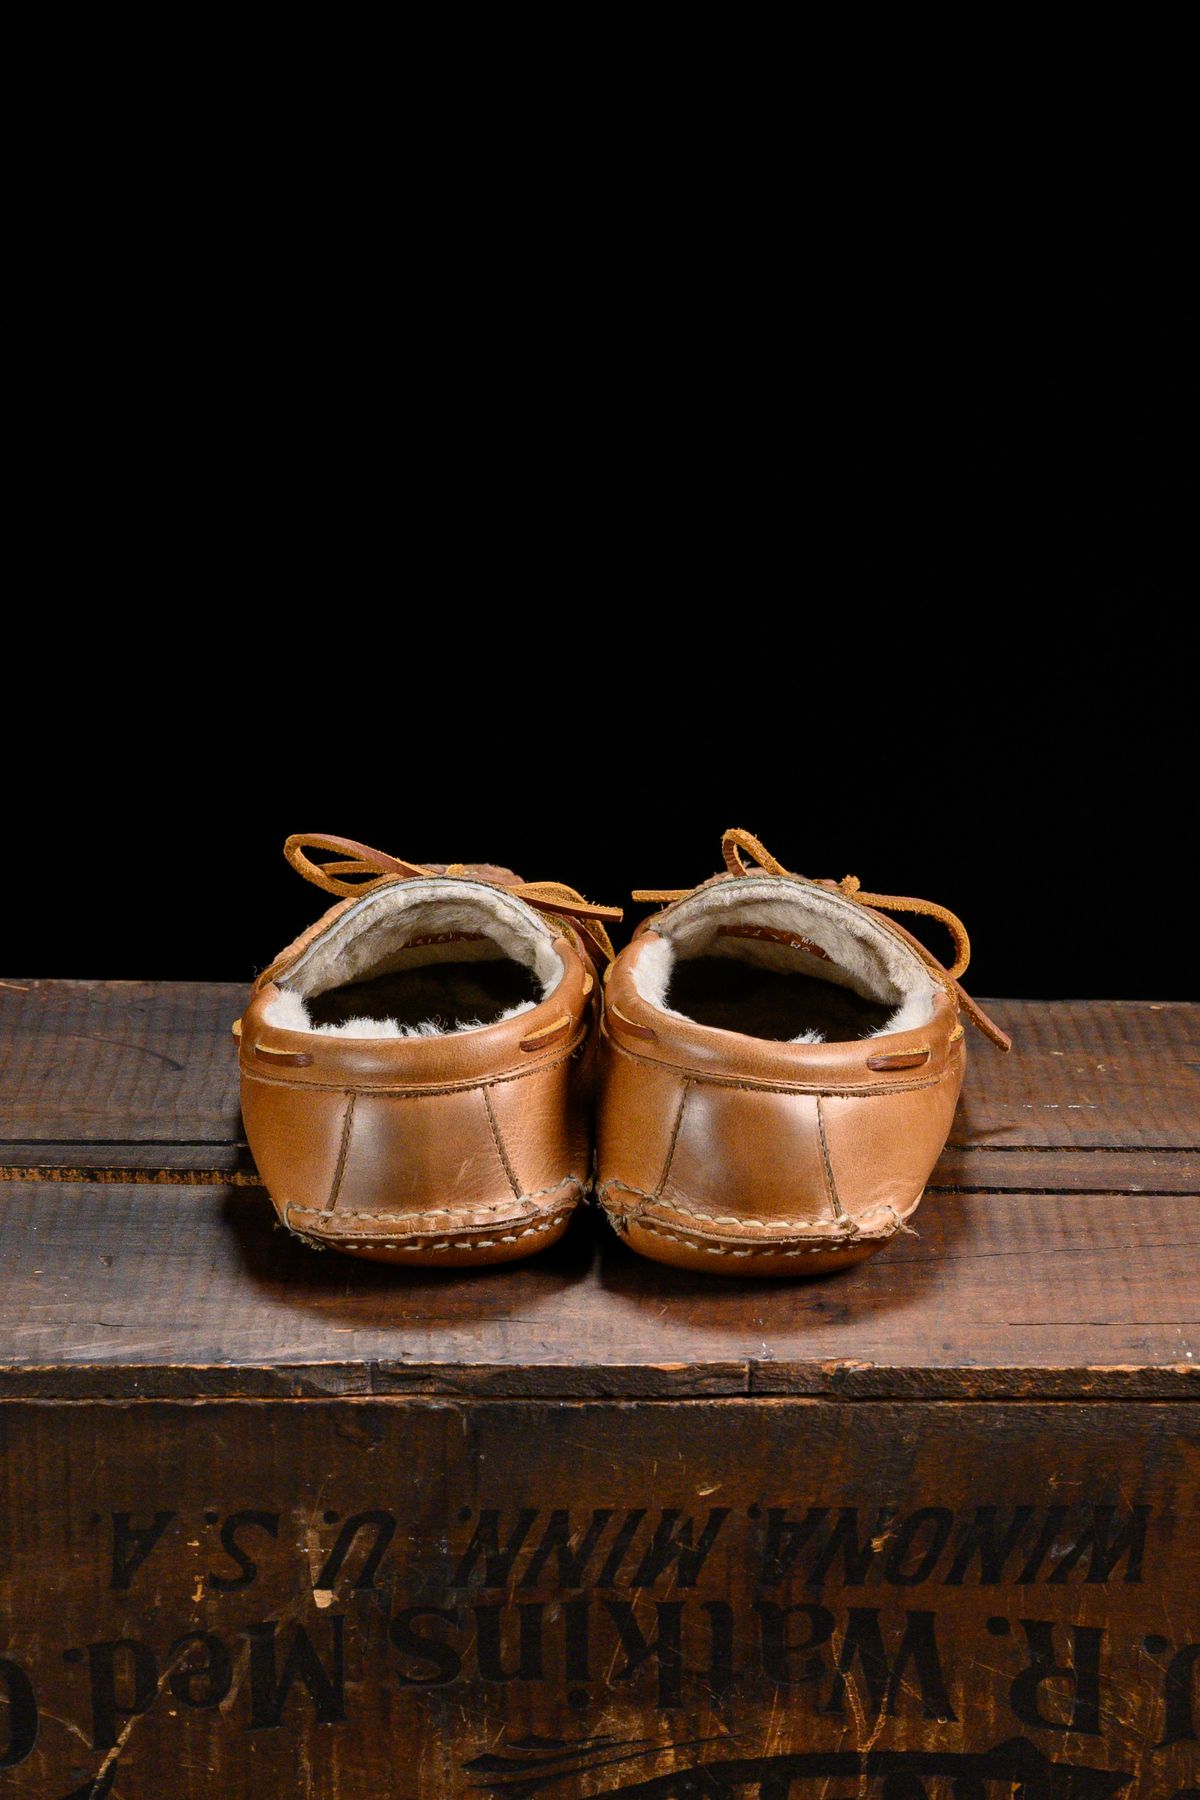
(439, 1212)
(846, 1225)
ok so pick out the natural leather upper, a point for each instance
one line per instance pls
(688, 1111)
(721, 1144)
(476, 1140)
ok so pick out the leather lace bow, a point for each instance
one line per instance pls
(735, 841)
(352, 868)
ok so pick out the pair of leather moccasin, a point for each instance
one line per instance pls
(767, 1072)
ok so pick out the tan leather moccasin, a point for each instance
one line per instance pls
(417, 1067)
(780, 1066)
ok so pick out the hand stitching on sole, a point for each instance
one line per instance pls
(829, 1247)
(470, 1215)
(421, 1244)
(835, 1234)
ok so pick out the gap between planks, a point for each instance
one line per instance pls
(1186, 1180)
(110, 1176)
(543, 1396)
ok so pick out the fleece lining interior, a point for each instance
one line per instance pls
(786, 961)
(420, 959)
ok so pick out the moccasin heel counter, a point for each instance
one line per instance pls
(295, 1136)
(883, 1146)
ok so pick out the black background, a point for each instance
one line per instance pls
(551, 437)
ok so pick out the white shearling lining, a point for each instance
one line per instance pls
(652, 970)
(915, 1009)
(863, 955)
(375, 937)
(289, 1012)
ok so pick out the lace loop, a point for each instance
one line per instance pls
(354, 859)
(352, 868)
(735, 841)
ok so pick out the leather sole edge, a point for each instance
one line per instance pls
(671, 1237)
(506, 1240)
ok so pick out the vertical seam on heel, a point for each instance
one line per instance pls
(683, 1100)
(838, 1211)
(501, 1152)
(343, 1150)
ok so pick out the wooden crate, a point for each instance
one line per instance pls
(280, 1523)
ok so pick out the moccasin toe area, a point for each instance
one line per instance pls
(442, 1237)
(680, 1244)
(669, 1229)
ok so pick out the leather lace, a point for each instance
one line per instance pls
(735, 841)
(353, 868)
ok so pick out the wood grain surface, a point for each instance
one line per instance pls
(1056, 1252)
(283, 1525)
(112, 1063)
(665, 1600)
(159, 1290)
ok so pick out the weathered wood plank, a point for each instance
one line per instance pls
(206, 1389)
(119, 1062)
(773, 1600)
(161, 1290)
(1087, 1074)
(1055, 1171)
